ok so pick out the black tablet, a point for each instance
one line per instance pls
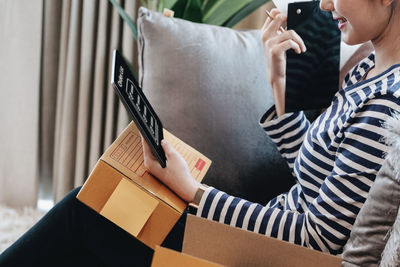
(312, 78)
(138, 106)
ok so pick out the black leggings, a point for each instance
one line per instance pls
(71, 234)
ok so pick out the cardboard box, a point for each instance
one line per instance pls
(164, 257)
(232, 246)
(120, 189)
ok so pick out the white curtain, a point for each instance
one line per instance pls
(20, 50)
(88, 114)
(58, 112)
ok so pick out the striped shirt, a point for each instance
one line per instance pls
(334, 160)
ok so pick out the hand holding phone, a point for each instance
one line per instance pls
(176, 175)
(276, 42)
(143, 114)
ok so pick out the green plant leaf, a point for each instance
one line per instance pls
(179, 8)
(244, 12)
(169, 3)
(207, 5)
(160, 6)
(126, 18)
(193, 11)
(223, 10)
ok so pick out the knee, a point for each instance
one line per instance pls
(73, 193)
(69, 199)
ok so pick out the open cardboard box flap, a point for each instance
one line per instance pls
(125, 155)
(231, 246)
(164, 257)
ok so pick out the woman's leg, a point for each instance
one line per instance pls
(72, 233)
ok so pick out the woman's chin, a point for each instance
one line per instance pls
(351, 38)
(351, 41)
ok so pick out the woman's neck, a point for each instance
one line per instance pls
(387, 47)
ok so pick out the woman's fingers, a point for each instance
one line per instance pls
(288, 35)
(168, 149)
(272, 28)
(274, 12)
(146, 149)
(284, 46)
(150, 162)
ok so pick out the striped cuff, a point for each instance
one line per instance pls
(268, 116)
(206, 201)
(270, 120)
(277, 127)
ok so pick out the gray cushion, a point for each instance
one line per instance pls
(208, 85)
(370, 231)
(376, 230)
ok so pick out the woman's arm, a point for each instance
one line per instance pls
(176, 175)
(276, 43)
(326, 221)
(286, 131)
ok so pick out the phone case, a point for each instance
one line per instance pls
(312, 78)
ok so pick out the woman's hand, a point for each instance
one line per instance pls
(176, 175)
(275, 46)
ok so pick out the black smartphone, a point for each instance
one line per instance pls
(312, 78)
(143, 114)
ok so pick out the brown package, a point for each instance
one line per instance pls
(121, 190)
(231, 246)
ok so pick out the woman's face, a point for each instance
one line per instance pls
(359, 20)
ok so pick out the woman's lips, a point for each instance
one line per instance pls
(341, 22)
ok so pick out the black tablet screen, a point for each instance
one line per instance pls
(138, 106)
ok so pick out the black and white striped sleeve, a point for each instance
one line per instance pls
(286, 131)
(326, 222)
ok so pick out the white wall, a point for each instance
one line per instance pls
(20, 48)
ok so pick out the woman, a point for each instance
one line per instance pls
(334, 160)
